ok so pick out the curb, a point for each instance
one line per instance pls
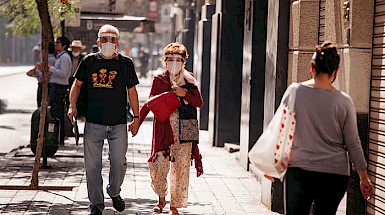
(4, 161)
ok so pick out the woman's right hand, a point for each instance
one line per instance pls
(366, 186)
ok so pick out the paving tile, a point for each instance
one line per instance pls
(225, 188)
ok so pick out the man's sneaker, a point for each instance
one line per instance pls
(96, 211)
(118, 203)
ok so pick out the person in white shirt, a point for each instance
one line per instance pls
(61, 72)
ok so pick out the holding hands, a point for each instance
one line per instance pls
(134, 127)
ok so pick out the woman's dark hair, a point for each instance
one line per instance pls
(64, 41)
(326, 58)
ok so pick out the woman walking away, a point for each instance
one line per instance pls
(325, 139)
(168, 153)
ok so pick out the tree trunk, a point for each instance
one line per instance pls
(45, 20)
(46, 37)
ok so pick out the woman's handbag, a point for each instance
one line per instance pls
(163, 105)
(270, 154)
(188, 123)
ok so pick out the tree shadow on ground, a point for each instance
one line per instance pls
(7, 127)
(17, 111)
(133, 206)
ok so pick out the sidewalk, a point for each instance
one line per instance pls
(225, 187)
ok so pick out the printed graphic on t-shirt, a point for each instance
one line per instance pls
(103, 78)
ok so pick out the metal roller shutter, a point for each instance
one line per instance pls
(321, 25)
(376, 160)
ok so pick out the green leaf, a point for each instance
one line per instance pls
(24, 17)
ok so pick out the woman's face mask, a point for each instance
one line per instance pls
(174, 66)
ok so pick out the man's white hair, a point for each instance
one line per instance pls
(108, 29)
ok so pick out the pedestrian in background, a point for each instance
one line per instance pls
(95, 48)
(76, 49)
(143, 59)
(36, 53)
(167, 153)
(61, 72)
(39, 75)
(325, 139)
(108, 78)
(76, 56)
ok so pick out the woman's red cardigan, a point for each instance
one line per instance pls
(162, 137)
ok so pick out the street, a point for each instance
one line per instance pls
(225, 187)
(19, 94)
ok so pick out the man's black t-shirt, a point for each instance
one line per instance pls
(106, 82)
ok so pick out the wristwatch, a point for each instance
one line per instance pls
(137, 117)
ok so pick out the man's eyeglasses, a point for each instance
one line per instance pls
(108, 39)
(57, 41)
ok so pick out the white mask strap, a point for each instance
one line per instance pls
(174, 55)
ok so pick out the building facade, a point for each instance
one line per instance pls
(258, 48)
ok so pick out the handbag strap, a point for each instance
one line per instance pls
(189, 86)
(292, 95)
(181, 100)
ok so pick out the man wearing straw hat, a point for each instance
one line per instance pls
(76, 56)
(76, 47)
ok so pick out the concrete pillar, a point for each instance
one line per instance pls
(303, 37)
(226, 72)
(179, 24)
(253, 83)
(188, 37)
(202, 57)
(253, 76)
(275, 85)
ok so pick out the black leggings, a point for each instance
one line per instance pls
(302, 187)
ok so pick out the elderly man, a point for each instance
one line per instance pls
(108, 78)
(76, 56)
(76, 47)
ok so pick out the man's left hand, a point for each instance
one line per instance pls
(134, 127)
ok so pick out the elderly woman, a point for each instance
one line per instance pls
(167, 152)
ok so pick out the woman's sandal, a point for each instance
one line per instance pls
(174, 211)
(159, 208)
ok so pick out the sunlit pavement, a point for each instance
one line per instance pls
(225, 187)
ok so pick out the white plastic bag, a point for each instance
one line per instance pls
(270, 154)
